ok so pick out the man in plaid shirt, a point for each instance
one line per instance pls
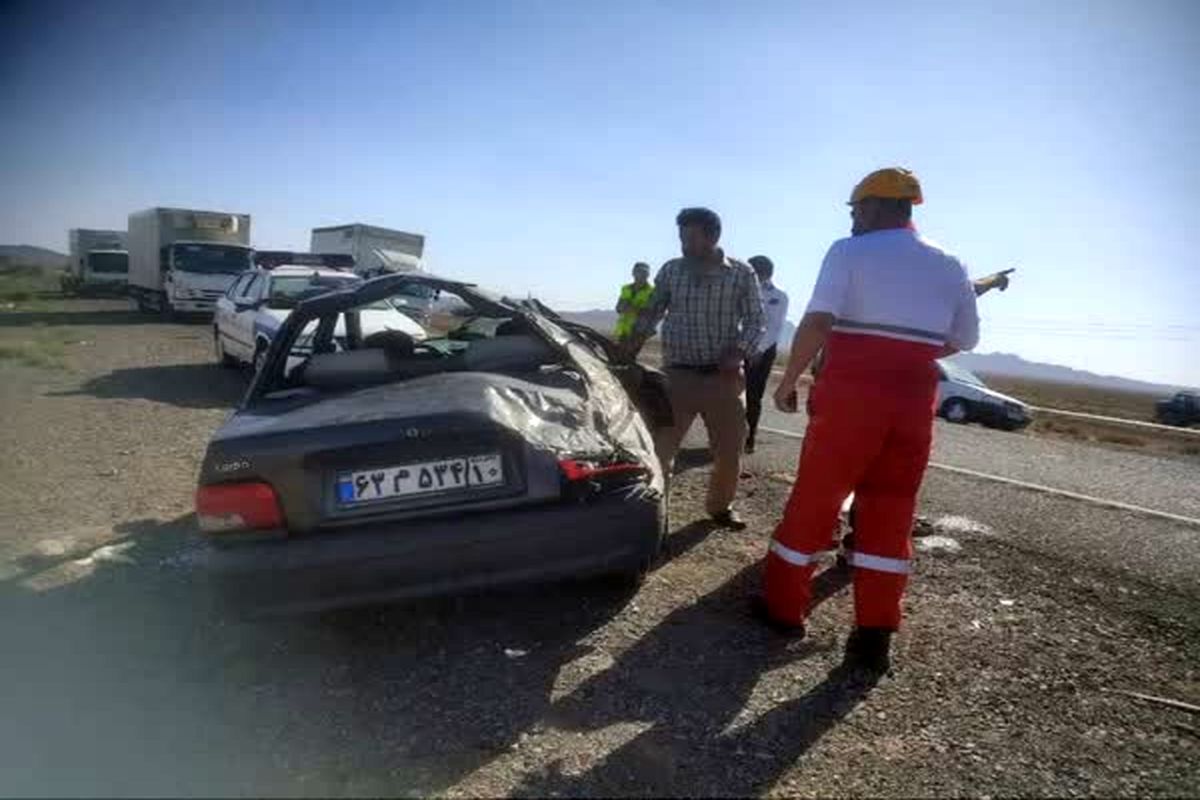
(714, 320)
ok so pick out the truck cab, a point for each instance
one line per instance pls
(197, 274)
(98, 272)
(98, 264)
(1182, 409)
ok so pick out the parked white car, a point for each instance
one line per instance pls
(963, 397)
(250, 313)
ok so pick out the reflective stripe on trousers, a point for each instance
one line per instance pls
(868, 433)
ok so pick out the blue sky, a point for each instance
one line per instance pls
(545, 147)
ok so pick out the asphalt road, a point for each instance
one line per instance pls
(1136, 546)
(1168, 484)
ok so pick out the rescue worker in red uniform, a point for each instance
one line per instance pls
(886, 305)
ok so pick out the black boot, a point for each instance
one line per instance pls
(868, 649)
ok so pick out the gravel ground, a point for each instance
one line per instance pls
(127, 677)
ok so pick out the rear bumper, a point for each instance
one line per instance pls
(428, 557)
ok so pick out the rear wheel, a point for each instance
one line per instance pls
(956, 411)
(223, 358)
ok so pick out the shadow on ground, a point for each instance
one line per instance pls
(689, 679)
(689, 458)
(183, 385)
(130, 678)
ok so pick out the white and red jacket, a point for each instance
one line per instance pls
(898, 285)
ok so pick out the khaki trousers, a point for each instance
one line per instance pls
(716, 399)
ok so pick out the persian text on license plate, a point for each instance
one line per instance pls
(429, 477)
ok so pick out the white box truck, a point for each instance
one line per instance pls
(378, 251)
(375, 250)
(182, 259)
(99, 262)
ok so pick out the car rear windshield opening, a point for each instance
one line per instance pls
(288, 291)
(394, 346)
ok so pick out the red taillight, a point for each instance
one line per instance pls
(576, 470)
(237, 506)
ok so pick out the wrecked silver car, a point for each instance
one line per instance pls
(505, 446)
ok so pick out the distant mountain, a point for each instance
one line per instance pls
(1007, 365)
(25, 255)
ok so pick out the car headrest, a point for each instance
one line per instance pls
(397, 344)
(348, 368)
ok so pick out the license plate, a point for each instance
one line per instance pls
(429, 477)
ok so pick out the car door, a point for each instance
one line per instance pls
(247, 313)
(242, 324)
(225, 317)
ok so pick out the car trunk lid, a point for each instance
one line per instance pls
(444, 443)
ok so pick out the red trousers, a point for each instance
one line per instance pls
(869, 432)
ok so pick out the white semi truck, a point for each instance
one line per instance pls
(182, 259)
(375, 250)
(99, 262)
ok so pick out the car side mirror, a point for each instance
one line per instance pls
(253, 305)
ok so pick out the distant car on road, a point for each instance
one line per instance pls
(251, 311)
(1182, 409)
(963, 397)
(510, 447)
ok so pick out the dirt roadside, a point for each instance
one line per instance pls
(126, 677)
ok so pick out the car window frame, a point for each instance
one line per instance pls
(252, 290)
(273, 377)
(235, 290)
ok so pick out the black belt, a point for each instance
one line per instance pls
(702, 369)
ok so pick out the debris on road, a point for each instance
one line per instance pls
(933, 544)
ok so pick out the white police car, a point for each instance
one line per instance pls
(258, 302)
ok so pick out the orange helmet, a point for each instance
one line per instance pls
(894, 183)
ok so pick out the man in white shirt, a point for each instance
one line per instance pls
(887, 304)
(758, 365)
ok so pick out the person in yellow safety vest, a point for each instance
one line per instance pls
(633, 298)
